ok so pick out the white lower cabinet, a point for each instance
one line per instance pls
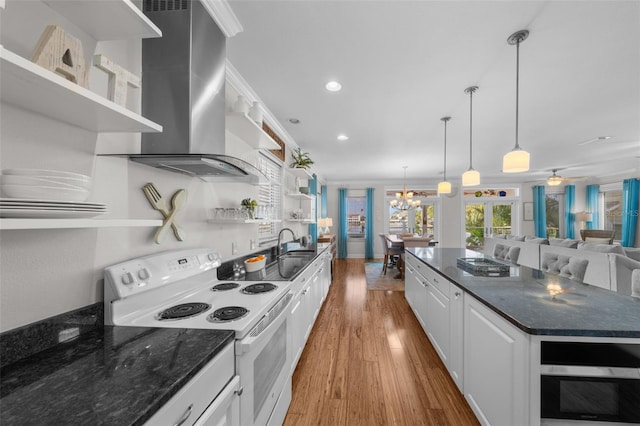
(495, 367)
(438, 321)
(310, 290)
(416, 291)
(455, 362)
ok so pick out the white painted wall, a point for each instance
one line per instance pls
(48, 272)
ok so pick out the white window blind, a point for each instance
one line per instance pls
(270, 197)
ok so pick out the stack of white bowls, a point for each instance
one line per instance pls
(45, 185)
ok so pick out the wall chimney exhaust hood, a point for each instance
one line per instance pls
(183, 88)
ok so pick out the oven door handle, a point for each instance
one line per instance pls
(270, 322)
(590, 371)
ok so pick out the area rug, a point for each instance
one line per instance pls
(376, 280)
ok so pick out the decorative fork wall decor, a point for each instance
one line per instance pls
(159, 203)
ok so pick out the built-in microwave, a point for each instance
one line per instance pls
(597, 382)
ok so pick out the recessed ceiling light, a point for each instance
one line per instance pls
(294, 121)
(333, 86)
(342, 137)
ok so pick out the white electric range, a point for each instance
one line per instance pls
(180, 289)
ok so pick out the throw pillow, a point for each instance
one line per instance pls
(601, 248)
(563, 242)
(538, 241)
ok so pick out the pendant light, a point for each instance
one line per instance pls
(444, 187)
(471, 177)
(517, 160)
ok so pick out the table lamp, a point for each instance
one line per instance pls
(583, 217)
(324, 223)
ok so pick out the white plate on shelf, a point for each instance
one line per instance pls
(43, 172)
(40, 192)
(34, 202)
(62, 182)
(46, 214)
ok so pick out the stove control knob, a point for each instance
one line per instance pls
(211, 257)
(128, 278)
(144, 274)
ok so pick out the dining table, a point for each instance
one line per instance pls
(399, 241)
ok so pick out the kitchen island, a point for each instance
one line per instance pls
(491, 332)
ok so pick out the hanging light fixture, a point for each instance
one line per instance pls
(517, 160)
(444, 187)
(471, 177)
(404, 200)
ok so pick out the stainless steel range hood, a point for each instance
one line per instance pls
(183, 89)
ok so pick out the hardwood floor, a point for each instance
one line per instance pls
(368, 362)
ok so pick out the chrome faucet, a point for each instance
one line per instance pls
(280, 236)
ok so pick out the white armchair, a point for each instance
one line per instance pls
(622, 269)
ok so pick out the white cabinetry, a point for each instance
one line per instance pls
(416, 291)
(495, 367)
(438, 318)
(437, 304)
(309, 289)
(456, 357)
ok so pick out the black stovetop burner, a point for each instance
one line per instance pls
(228, 313)
(185, 310)
(225, 286)
(259, 288)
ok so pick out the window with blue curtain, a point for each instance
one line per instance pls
(313, 227)
(368, 237)
(569, 213)
(630, 212)
(342, 223)
(323, 202)
(539, 211)
(593, 194)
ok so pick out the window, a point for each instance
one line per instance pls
(356, 219)
(419, 220)
(270, 197)
(489, 212)
(611, 206)
(554, 205)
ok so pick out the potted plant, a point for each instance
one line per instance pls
(250, 206)
(301, 160)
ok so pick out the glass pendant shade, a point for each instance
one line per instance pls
(444, 187)
(515, 161)
(471, 178)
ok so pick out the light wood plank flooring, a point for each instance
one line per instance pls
(368, 362)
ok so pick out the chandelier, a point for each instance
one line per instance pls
(404, 200)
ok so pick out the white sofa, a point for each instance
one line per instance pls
(610, 266)
(529, 252)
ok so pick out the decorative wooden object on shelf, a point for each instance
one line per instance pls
(277, 152)
(119, 79)
(61, 53)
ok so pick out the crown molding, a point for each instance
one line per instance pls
(240, 85)
(221, 12)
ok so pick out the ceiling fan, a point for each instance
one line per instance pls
(555, 180)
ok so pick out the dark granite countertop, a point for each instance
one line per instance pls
(523, 299)
(107, 376)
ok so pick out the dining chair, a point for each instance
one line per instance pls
(604, 236)
(389, 253)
